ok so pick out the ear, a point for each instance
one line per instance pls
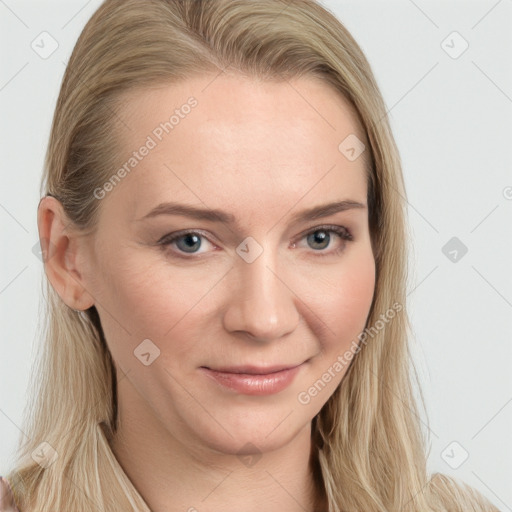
(61, 250)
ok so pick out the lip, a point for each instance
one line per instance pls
(252, 380)
(253, 370)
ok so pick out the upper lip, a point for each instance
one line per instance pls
(254, 370)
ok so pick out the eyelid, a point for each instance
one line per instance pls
(183, 232)
(333, 227)
(327, 227)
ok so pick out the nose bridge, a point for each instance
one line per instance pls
(262, 304)
(260, 278)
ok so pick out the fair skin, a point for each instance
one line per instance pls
(261, 152)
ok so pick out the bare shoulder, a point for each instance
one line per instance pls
(449, 494)
(7, 503)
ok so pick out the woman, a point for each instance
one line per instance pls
(269, 368)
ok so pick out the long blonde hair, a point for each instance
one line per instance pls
(369, 445)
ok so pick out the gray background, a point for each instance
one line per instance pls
(451, 112)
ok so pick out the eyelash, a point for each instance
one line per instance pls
(341, 231)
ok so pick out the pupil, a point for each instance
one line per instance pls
(320, 237)
(194, 239)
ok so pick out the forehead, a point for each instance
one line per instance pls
(229, 138)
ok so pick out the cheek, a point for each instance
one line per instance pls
(353, 297)
(143, 297)
(342, 310)
(343, 302)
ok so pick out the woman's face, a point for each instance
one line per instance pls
(252, 288)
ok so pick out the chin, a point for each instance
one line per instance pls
(248, 430)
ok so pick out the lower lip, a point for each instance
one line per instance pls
(249, 384)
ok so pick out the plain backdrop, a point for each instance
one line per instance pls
(444, 69)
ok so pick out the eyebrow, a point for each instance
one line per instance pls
(215, 215)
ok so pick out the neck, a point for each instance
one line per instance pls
(172, 476)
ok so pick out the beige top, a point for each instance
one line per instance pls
(7, 503)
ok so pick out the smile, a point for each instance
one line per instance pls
(254, 381)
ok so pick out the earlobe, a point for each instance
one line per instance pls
(59, 247)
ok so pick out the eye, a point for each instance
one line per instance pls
(321, 237)
(187, 242)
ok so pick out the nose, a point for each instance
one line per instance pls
(262, 306)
